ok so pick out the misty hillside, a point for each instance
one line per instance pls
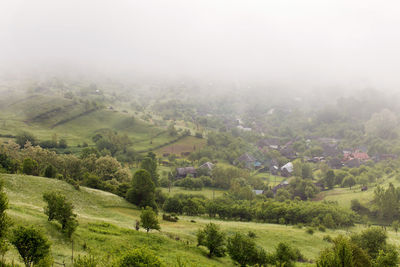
(199, 133)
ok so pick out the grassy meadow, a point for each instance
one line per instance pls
(107, 221)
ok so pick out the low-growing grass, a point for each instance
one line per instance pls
(106, 226)
(206, 191)
(186, 144)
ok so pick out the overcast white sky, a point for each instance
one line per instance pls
(306, 42)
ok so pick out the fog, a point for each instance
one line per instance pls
(302, 44)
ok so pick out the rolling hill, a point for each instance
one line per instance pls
(106, 226)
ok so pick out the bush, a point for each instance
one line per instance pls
(50, 171)
(31, 244)
(327, 238)
(24, 137)
(59, 209)
(310, 231)
(212, 238)
(86, 261)
(62, 144)
(321, 228)
(140, 258)
(164, 182)
(148, 219)
(30, 167)
(170, 218)
(243, 250)
(251, 234)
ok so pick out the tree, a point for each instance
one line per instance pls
(149, 164)
(59, 209)
(212, 238)
(387, 202)
(30, 167)
(24, 137)
(142, 190)
(50, 171)
(140, 257)
(62, 143)
(372, 240)
(31, 244)
(382, 124)
(284, 255)
(396, 226)
(107, 167)
(5, 221)
(242, 249)
(348, 181)
(387, 258)
(339, 255)
(148, 219)
(330, 179)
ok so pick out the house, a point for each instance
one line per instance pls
(315, 159)
(353, 163)
(247, 160)
(354, 158)
(207, 165)
(288, 152)
(183, 172)
(283, 184)
(258, 192)
(287, 169)
(165, 163)
(335, 163)
(274, 167)
(330, 150)
(272, 143)
(385, 157)
(246, 129)
(206, 168)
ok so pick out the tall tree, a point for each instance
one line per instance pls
(59, 209)
(149, 164)
(212, 238)
(330, 179)
(142, 190)
(31, 244)
(243, 250)
(148, 219)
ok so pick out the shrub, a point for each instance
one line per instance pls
(243, 250)
(30, 167)
(251, 234)
(170, 218)
(140, 258)
(59, 209)
(212, 238)
(31, 244)
(148, 219)
(86, 261)
(327, 238)
(310, 231)
(50, 171)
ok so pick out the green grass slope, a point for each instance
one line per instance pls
(74, 120)
(106, 227)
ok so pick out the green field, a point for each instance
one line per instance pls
(26, 114)
(344, 195)
(207, 192)
(186, 144)
(107, 221)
